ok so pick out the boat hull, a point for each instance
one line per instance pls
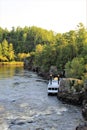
(53, 87)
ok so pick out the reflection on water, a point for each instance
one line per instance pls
(9, 71)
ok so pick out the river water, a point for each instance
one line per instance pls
(25, 105)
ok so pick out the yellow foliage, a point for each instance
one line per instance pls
(3, 58)
(39, 48)
(23, 55)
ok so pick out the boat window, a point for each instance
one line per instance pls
(52, 88)
(49, 88)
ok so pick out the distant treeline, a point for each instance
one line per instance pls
(46, 48)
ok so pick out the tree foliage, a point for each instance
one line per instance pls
(6, 51)
(46, 48)
(75, 68)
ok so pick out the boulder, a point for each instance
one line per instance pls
(70, 98)
(70, 92)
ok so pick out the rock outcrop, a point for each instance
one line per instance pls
(74, 92)
(69, 93)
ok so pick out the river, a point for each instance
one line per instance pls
(25, 105)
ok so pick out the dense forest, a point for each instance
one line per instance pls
(46, 48)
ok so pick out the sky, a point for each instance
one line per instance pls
(57, 15)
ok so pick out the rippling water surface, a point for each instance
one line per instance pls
(25, 105)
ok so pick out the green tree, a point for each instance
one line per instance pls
(81, 38)
(1, 34)
(75, 68)
(38, 55)
(1, 56)
(0, 49)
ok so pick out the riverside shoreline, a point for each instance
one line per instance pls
(79, 98)
(17, 63)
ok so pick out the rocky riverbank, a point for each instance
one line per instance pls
(72, 91)
(69, 93)
(76, 99)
